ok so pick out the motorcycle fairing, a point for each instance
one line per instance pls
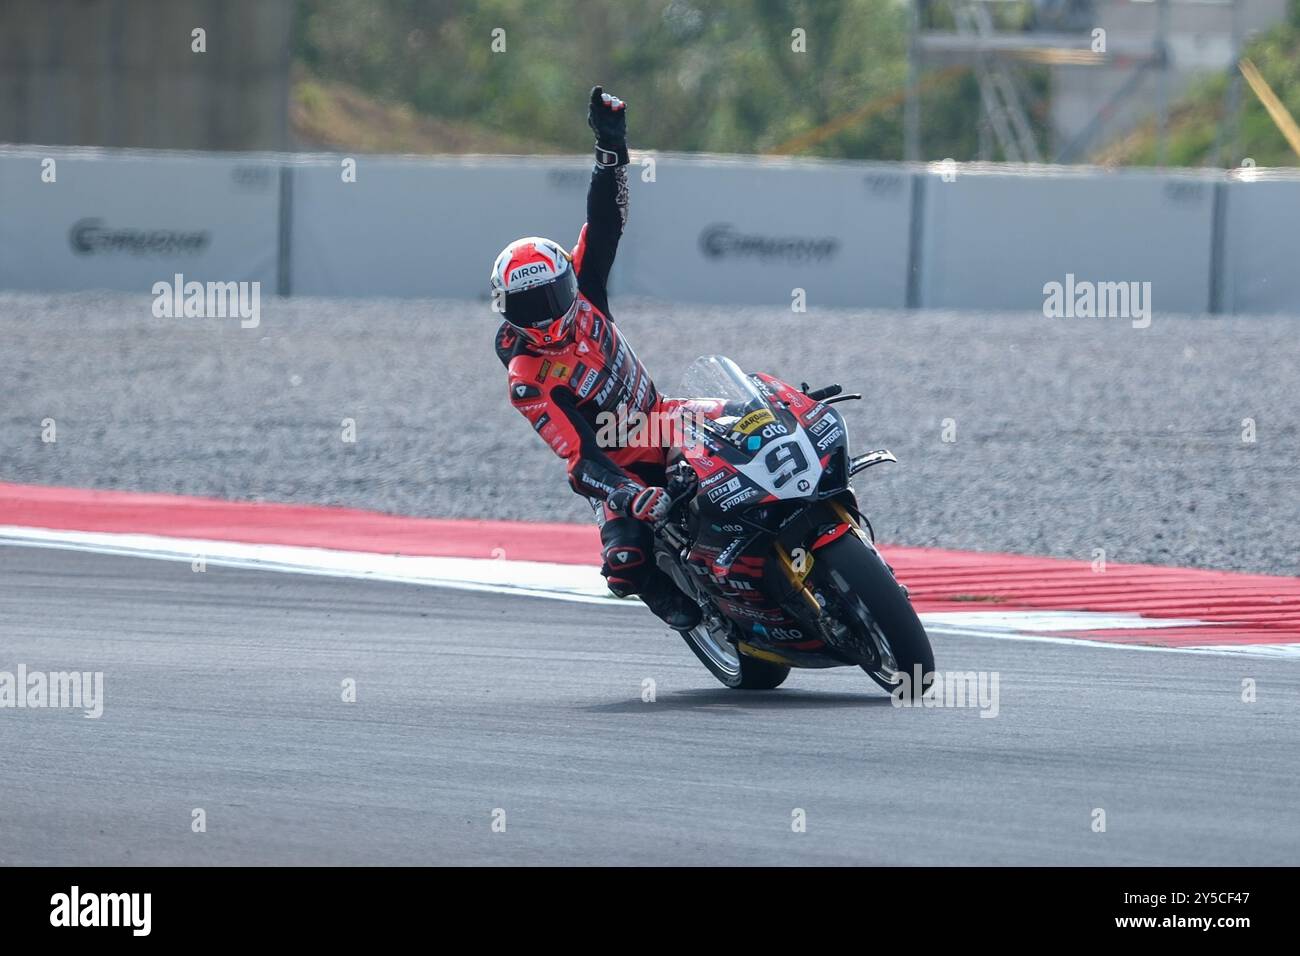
(766, 454)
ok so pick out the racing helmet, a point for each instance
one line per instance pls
(536, 287)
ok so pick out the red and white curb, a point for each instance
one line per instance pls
(569, 582)
(962, 593)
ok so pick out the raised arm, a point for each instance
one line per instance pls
(606, 198)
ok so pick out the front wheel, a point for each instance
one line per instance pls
(878, 612)
(734, 669)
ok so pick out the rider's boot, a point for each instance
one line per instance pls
(667, 602)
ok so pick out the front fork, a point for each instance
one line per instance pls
(798, 566)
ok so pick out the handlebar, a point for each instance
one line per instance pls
(826, 391)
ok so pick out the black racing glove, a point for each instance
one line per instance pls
(621, 497)
(607, 117)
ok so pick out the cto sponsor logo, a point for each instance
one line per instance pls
(723, 241)
(779, 633)
(774, 430)
(91, 237)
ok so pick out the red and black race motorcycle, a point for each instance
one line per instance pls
(766, 533)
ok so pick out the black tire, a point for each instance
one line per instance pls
(854, 569)
(734, 669)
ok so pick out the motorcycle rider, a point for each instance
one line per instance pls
(568, 366)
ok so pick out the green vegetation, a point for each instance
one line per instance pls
(1194, 122)
(700, 75)
(715, 76)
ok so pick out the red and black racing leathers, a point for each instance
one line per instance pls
(563, 390)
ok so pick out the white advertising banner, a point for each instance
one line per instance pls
(1261, 261)
(715, 230)
(424, 227)
(995, 240)
(756, 232)
(93, 219)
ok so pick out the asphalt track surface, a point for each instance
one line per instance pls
(223, 692)
(1071, 434)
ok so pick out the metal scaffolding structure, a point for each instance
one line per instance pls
(1068, 36)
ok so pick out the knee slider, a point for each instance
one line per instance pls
(622, 558)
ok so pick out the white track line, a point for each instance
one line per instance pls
(564, 582)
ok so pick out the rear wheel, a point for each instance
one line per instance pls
(879, 612)
(734, 669)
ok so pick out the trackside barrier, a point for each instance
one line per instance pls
(417, 227)
(1260, 266)
(765, 232)
(702, 229)
(993, 239)
(97, 219)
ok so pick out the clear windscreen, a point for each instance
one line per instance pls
(718, 377)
